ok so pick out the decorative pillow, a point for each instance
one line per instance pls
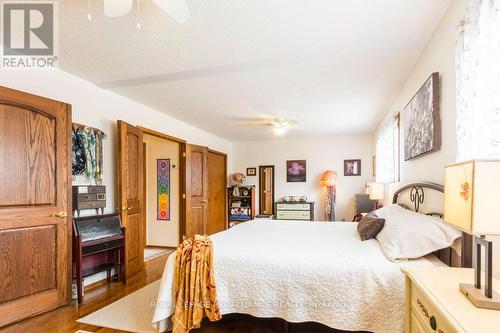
(407, 234)
(369, 227)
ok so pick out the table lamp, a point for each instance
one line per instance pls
(329, 179)
(471, 205)
(377, 191)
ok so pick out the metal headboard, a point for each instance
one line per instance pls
(416, 193)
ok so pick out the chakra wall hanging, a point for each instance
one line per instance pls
(163, 189)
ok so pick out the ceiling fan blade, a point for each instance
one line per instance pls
(117, 8)
(178, 9)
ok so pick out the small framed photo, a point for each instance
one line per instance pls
(352, 167)
(251, 171)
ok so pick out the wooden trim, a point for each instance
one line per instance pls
(160, 135)
(397, 118)
(218, 153)
(182, 191)
(144, 195)
(182, 177)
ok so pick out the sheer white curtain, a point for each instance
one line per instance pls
(387, 149)
(478, 81)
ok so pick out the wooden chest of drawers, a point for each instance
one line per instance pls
(300, 211)
(89, 197)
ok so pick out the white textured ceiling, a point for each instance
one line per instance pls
(331, 65)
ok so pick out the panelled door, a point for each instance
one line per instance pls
(35, 205)
(196, 190)
(130, 189)
(217, 200)
(266, 189)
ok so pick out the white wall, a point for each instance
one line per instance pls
(438, 56)
(161, 233)
(321, 153)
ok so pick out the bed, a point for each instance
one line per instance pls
(311, 272)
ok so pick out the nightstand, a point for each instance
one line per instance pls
(433, 303)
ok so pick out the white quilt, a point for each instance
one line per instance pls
(301, 271)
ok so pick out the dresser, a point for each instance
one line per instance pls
(433, 303)
(300, 211)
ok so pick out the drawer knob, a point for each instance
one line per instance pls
(433, 323)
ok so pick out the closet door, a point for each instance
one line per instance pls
(217, 200)
(35, 205)
(130, 192)
(196, 190)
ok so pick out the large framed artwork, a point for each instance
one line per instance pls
(163, 189)
(422, 121)
(296, 171)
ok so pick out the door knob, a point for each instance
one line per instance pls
(61, 215)
(204, 201)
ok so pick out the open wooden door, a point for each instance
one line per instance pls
(130, 189)
(196, 190)
(217, 190)
(35, 205)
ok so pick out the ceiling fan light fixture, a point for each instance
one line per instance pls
(279, 131)
(117, 8)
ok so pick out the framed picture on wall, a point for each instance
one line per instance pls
(251, 172)
(352, 167)
(422, 122)
(296, 171)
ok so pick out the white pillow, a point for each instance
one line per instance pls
(408, 235)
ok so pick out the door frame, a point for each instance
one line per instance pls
(260, 187)
(225, 177)
(182, 178)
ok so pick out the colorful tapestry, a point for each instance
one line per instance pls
(163, 170)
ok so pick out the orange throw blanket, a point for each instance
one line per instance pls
(194, 285)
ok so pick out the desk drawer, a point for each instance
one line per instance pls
(287, 206)
(425, 315)
(293, 215)
(104, 246)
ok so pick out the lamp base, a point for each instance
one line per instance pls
(477, 297)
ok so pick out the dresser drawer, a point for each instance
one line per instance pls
(90, 204)
(425, 315)
(287, 206)
(293, 215)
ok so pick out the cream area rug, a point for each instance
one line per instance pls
(132, 313)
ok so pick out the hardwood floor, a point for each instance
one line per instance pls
(63, 320)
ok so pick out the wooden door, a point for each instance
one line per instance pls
(217, 180)
(196, 190)
(35, 205)
(130, 189)
(266, 189)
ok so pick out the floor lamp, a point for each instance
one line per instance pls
(329, 180)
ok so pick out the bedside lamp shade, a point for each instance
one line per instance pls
(377, 191)
(471, 196)
(329, 178)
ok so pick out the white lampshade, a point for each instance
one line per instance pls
(471, 196)
(116, 8)
(377, 191)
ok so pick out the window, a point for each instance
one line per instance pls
(478, 82)
(388, 152)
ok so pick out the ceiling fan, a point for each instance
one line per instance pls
(278, 125)
(177, 9)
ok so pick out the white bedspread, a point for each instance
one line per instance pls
(302, 271)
